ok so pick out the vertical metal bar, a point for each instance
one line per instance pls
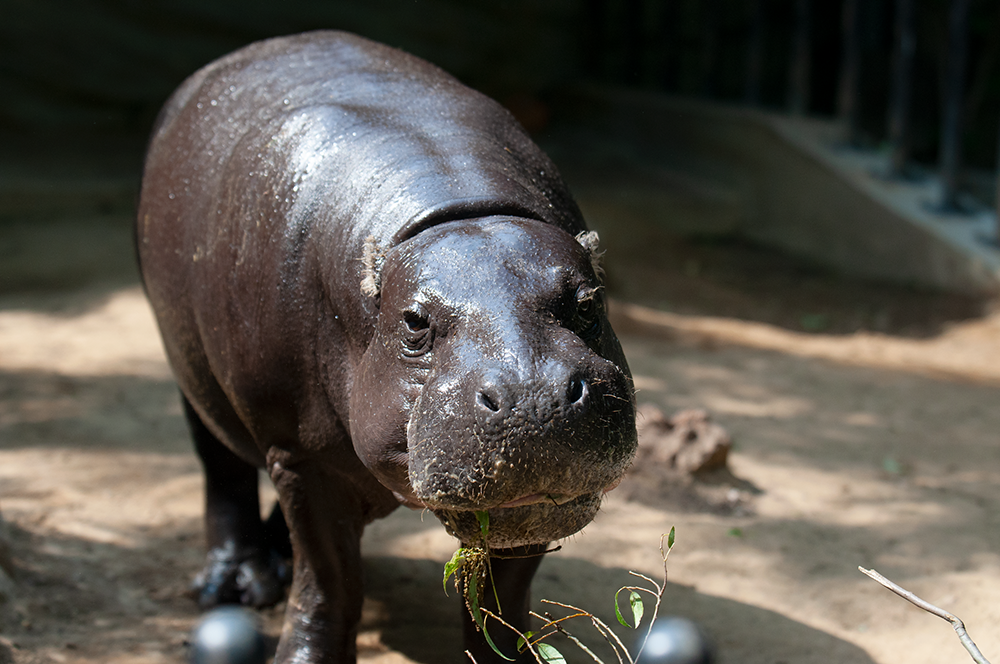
(709, 15)
(595, 46)
(850, 65)
(901, 87)
(997, 239)
(755, 53)
(798, 72)
(664, 47)
(954, 89)
(634, 42)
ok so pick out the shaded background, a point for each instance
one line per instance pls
(81, 83)
(106, 65)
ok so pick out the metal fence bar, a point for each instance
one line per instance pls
(634, 42)
(798, 73)
(710, 15)
(997, 239)
(901, 87)
(954, 88)
(847, 89)
(755, 53)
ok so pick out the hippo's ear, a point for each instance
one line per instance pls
(372, 258)
(590, 240)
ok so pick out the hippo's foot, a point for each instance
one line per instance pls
(249, 576)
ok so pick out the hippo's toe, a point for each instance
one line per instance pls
(250, 577)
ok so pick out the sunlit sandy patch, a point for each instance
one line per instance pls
(117, 337)
(779, 407)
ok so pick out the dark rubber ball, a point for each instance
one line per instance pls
(228, 635)
(675, 640)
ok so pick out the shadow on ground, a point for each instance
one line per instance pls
(51, 410)
(409, 608)
(63, 581)
(62, 596)
(734, 278)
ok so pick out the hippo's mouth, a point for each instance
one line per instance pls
(537, 518)
(554, 498)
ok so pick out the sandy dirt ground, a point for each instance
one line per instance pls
(865, 424)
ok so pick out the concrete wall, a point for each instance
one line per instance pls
(703, 168)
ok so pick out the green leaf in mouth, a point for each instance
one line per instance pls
(484, 524)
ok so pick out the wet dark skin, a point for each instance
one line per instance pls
(369, 282)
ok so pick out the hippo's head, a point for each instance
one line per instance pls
(494, 381)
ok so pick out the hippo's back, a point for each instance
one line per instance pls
(394, 138)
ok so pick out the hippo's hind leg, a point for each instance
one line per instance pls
(245, 556)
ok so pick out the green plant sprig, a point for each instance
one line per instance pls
(470, 566)
(546, 653)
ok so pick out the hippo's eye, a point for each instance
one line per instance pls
(588, 313)
(415, 320)
(417, 335)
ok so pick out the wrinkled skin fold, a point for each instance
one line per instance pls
(372, 284)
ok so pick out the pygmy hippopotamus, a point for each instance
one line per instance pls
(372, 284)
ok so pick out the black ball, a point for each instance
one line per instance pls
(676, 640)
(228, 635)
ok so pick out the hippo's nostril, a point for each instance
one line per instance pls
(487, 402)
(577, 390)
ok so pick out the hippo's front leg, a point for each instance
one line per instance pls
(326, 517)
(512, 571)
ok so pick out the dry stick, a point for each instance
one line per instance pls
(557, 628)
(609, 635)
(490, 614)
(959, 626)
(562, 630)
(659, 592)
(603, 629)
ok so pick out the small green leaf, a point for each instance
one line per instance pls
(670, 538)
(477, 614)
(522, 641)
(452, 566)
(550, 654)
(494, 646)
(618, 612)
(635, 601)
(637, 608)
(735, 532)
(484, 523)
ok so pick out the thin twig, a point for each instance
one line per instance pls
(959, 626)
(469, 655)
(601, 627)
(659, 593)
(645, 578)
(577, 641)
(490, 614)
(555, 624)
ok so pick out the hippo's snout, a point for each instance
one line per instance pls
(562, 391)
(550, 441)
